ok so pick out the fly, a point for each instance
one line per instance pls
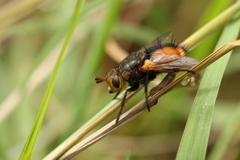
(142, 66)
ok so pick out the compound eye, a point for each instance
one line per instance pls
(116, 81)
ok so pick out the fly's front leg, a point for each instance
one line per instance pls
(116, 95)
(146, 91)
(132, 88)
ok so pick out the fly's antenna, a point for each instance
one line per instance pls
(99, 80)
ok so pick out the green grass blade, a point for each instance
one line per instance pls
(93, 60)
(209, 43)
(53, 41)
(194, 141)
(29, 146)
(128, 155)
(74, 138)
(210, 27)
(224, 139)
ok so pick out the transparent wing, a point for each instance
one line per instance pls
(169, 63)
(157, 41)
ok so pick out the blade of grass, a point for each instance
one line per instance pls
(194, 141)
(209, 28)
(209, 43)
(224, 139)
(128, 155)
(92, 61)
(29, 146)
(6, 106)
(87, 127)
(10, 12)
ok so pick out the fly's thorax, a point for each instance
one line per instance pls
(132, 62)
(115, 81)
(129, 67)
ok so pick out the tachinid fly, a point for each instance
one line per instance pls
(142, 66)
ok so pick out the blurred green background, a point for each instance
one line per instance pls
(31, 36)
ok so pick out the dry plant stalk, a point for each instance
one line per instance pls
(141, 106)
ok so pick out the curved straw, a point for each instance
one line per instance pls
(141, 106)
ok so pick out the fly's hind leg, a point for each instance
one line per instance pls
(167, 79)
(186, 70)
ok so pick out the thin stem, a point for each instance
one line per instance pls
(28, 148)
(210, 27)
(141, 106)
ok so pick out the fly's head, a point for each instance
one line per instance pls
(114, 80)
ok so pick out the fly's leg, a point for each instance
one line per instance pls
(187, 70)
(116, 95)
(132, 88)
(175, 70)
(147, 79)
(167, 79)
(146, 90)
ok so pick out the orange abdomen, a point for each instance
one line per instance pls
(170, 50)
